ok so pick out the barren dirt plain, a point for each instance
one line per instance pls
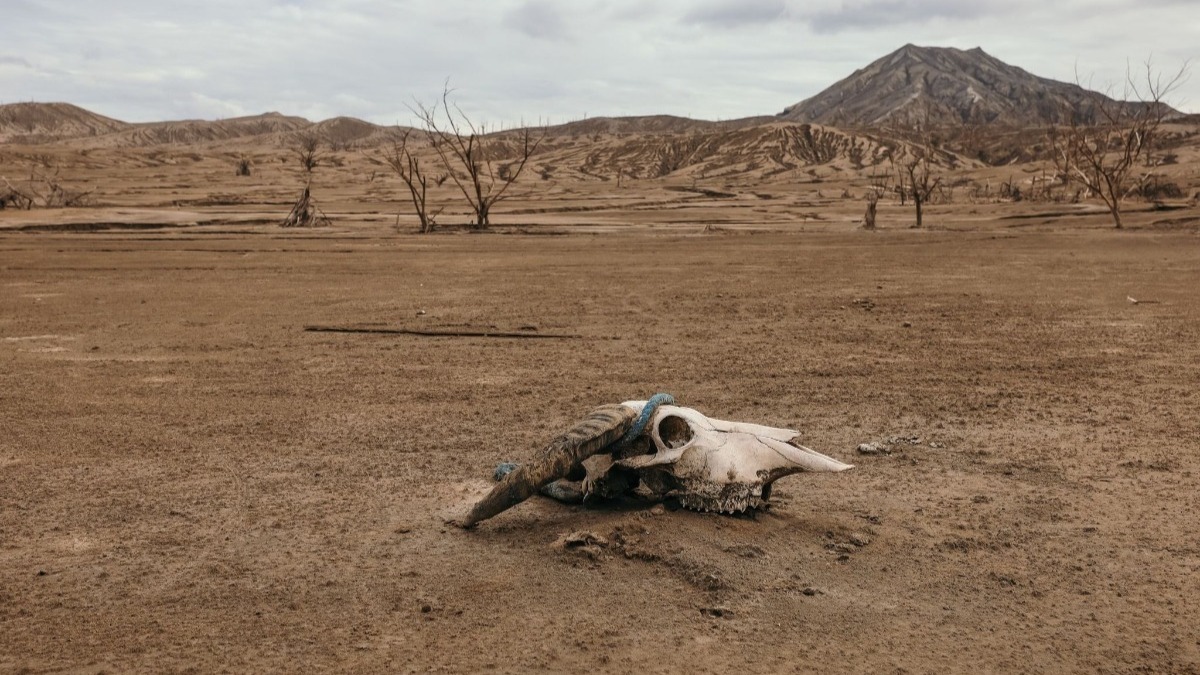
(192, 482)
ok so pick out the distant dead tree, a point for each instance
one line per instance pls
(872, 204)
(408, 167)
(879, 186)
(1100, 147)
(914, 160)
(44, 189)
(306, 146)
(915, 177)
(471, 156)
(12, 196)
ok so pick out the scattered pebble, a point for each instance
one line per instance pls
(859, 539)
(580, 538)
(907, 324)
(582, 542)
(873, 449)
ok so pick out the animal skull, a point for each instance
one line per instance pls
(705, 463)
(715, 465)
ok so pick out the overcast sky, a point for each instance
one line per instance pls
(555, 60)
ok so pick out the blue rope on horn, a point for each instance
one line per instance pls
(639, 425)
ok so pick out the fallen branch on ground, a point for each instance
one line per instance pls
(442, 333)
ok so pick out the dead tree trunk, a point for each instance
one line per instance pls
(408, 167)
(869, 216)
(306, 213)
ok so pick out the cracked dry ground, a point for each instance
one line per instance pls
(192, 482)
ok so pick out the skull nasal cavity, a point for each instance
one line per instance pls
(674, 431)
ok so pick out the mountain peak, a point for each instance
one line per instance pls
(943, 84)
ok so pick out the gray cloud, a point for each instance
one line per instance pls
(537, 19)
(15, 61)
(510, 60)
(736, 13)
(867, 14)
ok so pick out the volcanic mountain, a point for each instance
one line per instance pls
(946, 85)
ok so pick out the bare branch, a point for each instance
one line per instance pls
(471, 156)
(307, 147)
(1100, 147)
(406, 165)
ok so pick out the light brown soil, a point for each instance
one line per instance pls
(189, 481)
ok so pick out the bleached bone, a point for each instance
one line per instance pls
(707, 464)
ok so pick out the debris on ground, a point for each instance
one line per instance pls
(873, 448)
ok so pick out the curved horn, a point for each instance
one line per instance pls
(604, 426)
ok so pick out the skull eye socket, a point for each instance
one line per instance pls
(674, 431)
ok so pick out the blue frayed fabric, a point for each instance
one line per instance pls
(639, 425)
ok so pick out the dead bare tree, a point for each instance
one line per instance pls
(915, 177)
(878, 187)
(915, 161)
(14, 196)
(471, 156)
(408, 167)
(307, 147)
(1100, 147)
(44, 189)
(305, 212)
(869, 216)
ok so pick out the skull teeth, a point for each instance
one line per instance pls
(721, 504)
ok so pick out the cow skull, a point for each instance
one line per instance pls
(714, 465)
(659, 450)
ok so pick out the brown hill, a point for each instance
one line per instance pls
(347, 132)
(764, 151)
(949, 85)
(649, 124)
(187, 132)
(49, 122)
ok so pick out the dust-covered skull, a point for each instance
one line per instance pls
(715, 465)
(658, 450)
